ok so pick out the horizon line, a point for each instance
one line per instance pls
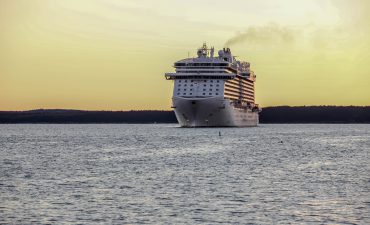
(128, 110)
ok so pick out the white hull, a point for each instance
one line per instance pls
(212, 112)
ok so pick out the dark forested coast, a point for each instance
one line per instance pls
(279, 114)
(316, 114)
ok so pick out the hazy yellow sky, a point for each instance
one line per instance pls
(112, 54)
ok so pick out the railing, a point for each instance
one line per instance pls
(173, 76)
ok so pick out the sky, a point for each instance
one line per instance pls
(112, 54)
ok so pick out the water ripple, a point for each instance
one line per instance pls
(161, 174)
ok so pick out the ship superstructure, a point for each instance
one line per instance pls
(214, 90)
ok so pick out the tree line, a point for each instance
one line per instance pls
(279, 114)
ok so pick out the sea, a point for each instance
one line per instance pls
(164, 174)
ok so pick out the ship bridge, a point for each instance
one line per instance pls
(206, 66)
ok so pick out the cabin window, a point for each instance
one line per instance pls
(218, 81)
(204, 85)
(210, 89)
(216, 93)
(204, 93)
(178, 93)
(184, 89)
(204, 89)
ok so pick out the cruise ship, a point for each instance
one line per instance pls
(214, 91)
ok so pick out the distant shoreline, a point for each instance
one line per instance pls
(269, 115)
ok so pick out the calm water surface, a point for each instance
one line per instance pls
(154, 174)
